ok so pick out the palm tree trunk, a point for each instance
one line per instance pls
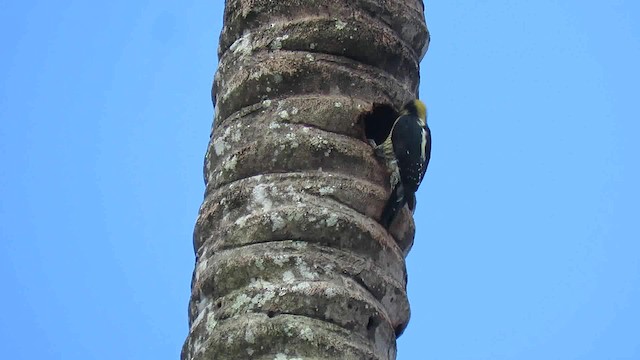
(291, 262)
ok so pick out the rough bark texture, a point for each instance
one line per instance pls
(291, 262)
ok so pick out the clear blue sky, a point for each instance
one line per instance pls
(527, 246)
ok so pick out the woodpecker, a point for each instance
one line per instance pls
(407, 151)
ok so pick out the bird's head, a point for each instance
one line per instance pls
(416, 108)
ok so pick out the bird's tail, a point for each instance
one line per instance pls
(394, 204)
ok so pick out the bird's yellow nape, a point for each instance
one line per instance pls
(421, 109)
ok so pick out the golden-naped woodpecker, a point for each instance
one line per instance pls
(407, 151)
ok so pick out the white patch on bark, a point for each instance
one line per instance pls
(300, 245)
(200, 267)
(292, 138)
(240, 301)
(198, 347)
(267, 294)
(211, 322)
(277, 222)
(302, 287)
(280, 259)
(218, 146)
(330, 292)
(304, 270)
(288, 277)
(318, 142)
(242, 45)
(202, 304)
(329, 267)
(306, 334)
(202, 309)
(249, 336)
(241, 221)
(332, 220)
(295, 216)
(260, 197)
(231, 163)
(325, 190)
(340, 24)
(237, 135)
(277, 43)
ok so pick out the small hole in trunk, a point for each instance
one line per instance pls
(378, 122)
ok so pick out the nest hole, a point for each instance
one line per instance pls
(372, 325)
(378, 122)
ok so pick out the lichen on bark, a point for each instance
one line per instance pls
(290, 260)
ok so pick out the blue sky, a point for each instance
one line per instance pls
(527, 245)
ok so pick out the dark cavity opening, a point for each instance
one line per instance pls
(372, 325)
(378, 122)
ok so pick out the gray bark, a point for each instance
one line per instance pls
(291, 262)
